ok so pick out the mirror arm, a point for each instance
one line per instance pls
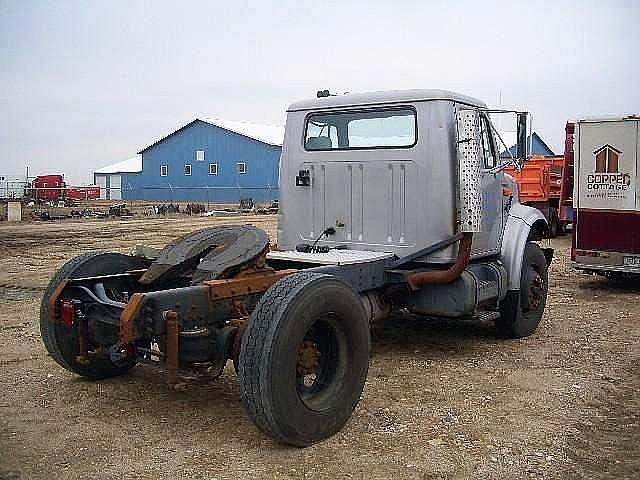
(511, 161)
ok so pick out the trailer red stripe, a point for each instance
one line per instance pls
(608, 230)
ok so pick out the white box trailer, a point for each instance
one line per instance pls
(606, 237)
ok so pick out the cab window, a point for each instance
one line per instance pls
(393, 127)
(487, 145)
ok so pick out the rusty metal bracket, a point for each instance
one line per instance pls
(249, 283)
(51, 302)
(83, 355)
(128, 318)
(171, 318)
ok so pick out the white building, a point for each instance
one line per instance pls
(109, 178)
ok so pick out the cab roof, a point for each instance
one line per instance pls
(388, 97)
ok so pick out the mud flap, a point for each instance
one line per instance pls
(208, 253)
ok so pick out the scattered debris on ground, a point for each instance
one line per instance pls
(443, 399)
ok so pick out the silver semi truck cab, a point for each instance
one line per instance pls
(378, 168)
(388, 201)
(390, 171)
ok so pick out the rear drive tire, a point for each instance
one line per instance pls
(521, 311)
(62, 342)
(304, 358)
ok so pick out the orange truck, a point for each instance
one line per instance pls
(539, 184)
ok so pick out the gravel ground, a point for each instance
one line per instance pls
(443, 400)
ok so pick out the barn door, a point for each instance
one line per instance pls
(115, 189)
(101, 181)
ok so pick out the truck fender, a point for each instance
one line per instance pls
(523, 224)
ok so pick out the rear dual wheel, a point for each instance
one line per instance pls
(60, 340)
(304, 358)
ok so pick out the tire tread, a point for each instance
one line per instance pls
(253, 350)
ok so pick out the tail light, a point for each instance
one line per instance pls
(68, 311)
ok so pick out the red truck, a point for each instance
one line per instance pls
(566, 212)
(48, 187)
(539, 185)
(53, 187)
(88, 192)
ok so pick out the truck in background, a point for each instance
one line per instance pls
(46, 188)
(566, 212)
(85, 192)
(539, 183)
(606, 232)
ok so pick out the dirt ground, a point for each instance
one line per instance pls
(443, 400)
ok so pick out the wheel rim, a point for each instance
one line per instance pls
(321, 360)
(535, 289)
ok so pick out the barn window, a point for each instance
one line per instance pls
(163, 170)
(187, 169)
(200, 155)
(213, 169)
(242, 168)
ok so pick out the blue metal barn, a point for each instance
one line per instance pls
(213, 161)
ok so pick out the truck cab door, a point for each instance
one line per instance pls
(488, 240)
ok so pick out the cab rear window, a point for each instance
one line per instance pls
(379, 128)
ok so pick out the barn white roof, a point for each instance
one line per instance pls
(131, 165)
(271, 134)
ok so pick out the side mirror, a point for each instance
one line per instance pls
(521, 148)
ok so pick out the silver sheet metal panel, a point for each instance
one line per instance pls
(469, 203)
(395, 199)
(332, 257)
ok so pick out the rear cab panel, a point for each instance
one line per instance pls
(380, 199)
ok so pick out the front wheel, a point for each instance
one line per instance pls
(304, 358)
(521, 310)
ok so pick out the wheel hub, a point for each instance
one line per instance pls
(535, 293)
(308, 358)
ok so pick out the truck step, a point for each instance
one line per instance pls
(487, 316)
(487, 290)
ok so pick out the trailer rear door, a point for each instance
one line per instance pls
(608, 165)
(608, 204)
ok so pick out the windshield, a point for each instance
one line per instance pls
(380, 128)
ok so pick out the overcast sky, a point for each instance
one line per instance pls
(87, 84)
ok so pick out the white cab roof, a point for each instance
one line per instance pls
(377, 98)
